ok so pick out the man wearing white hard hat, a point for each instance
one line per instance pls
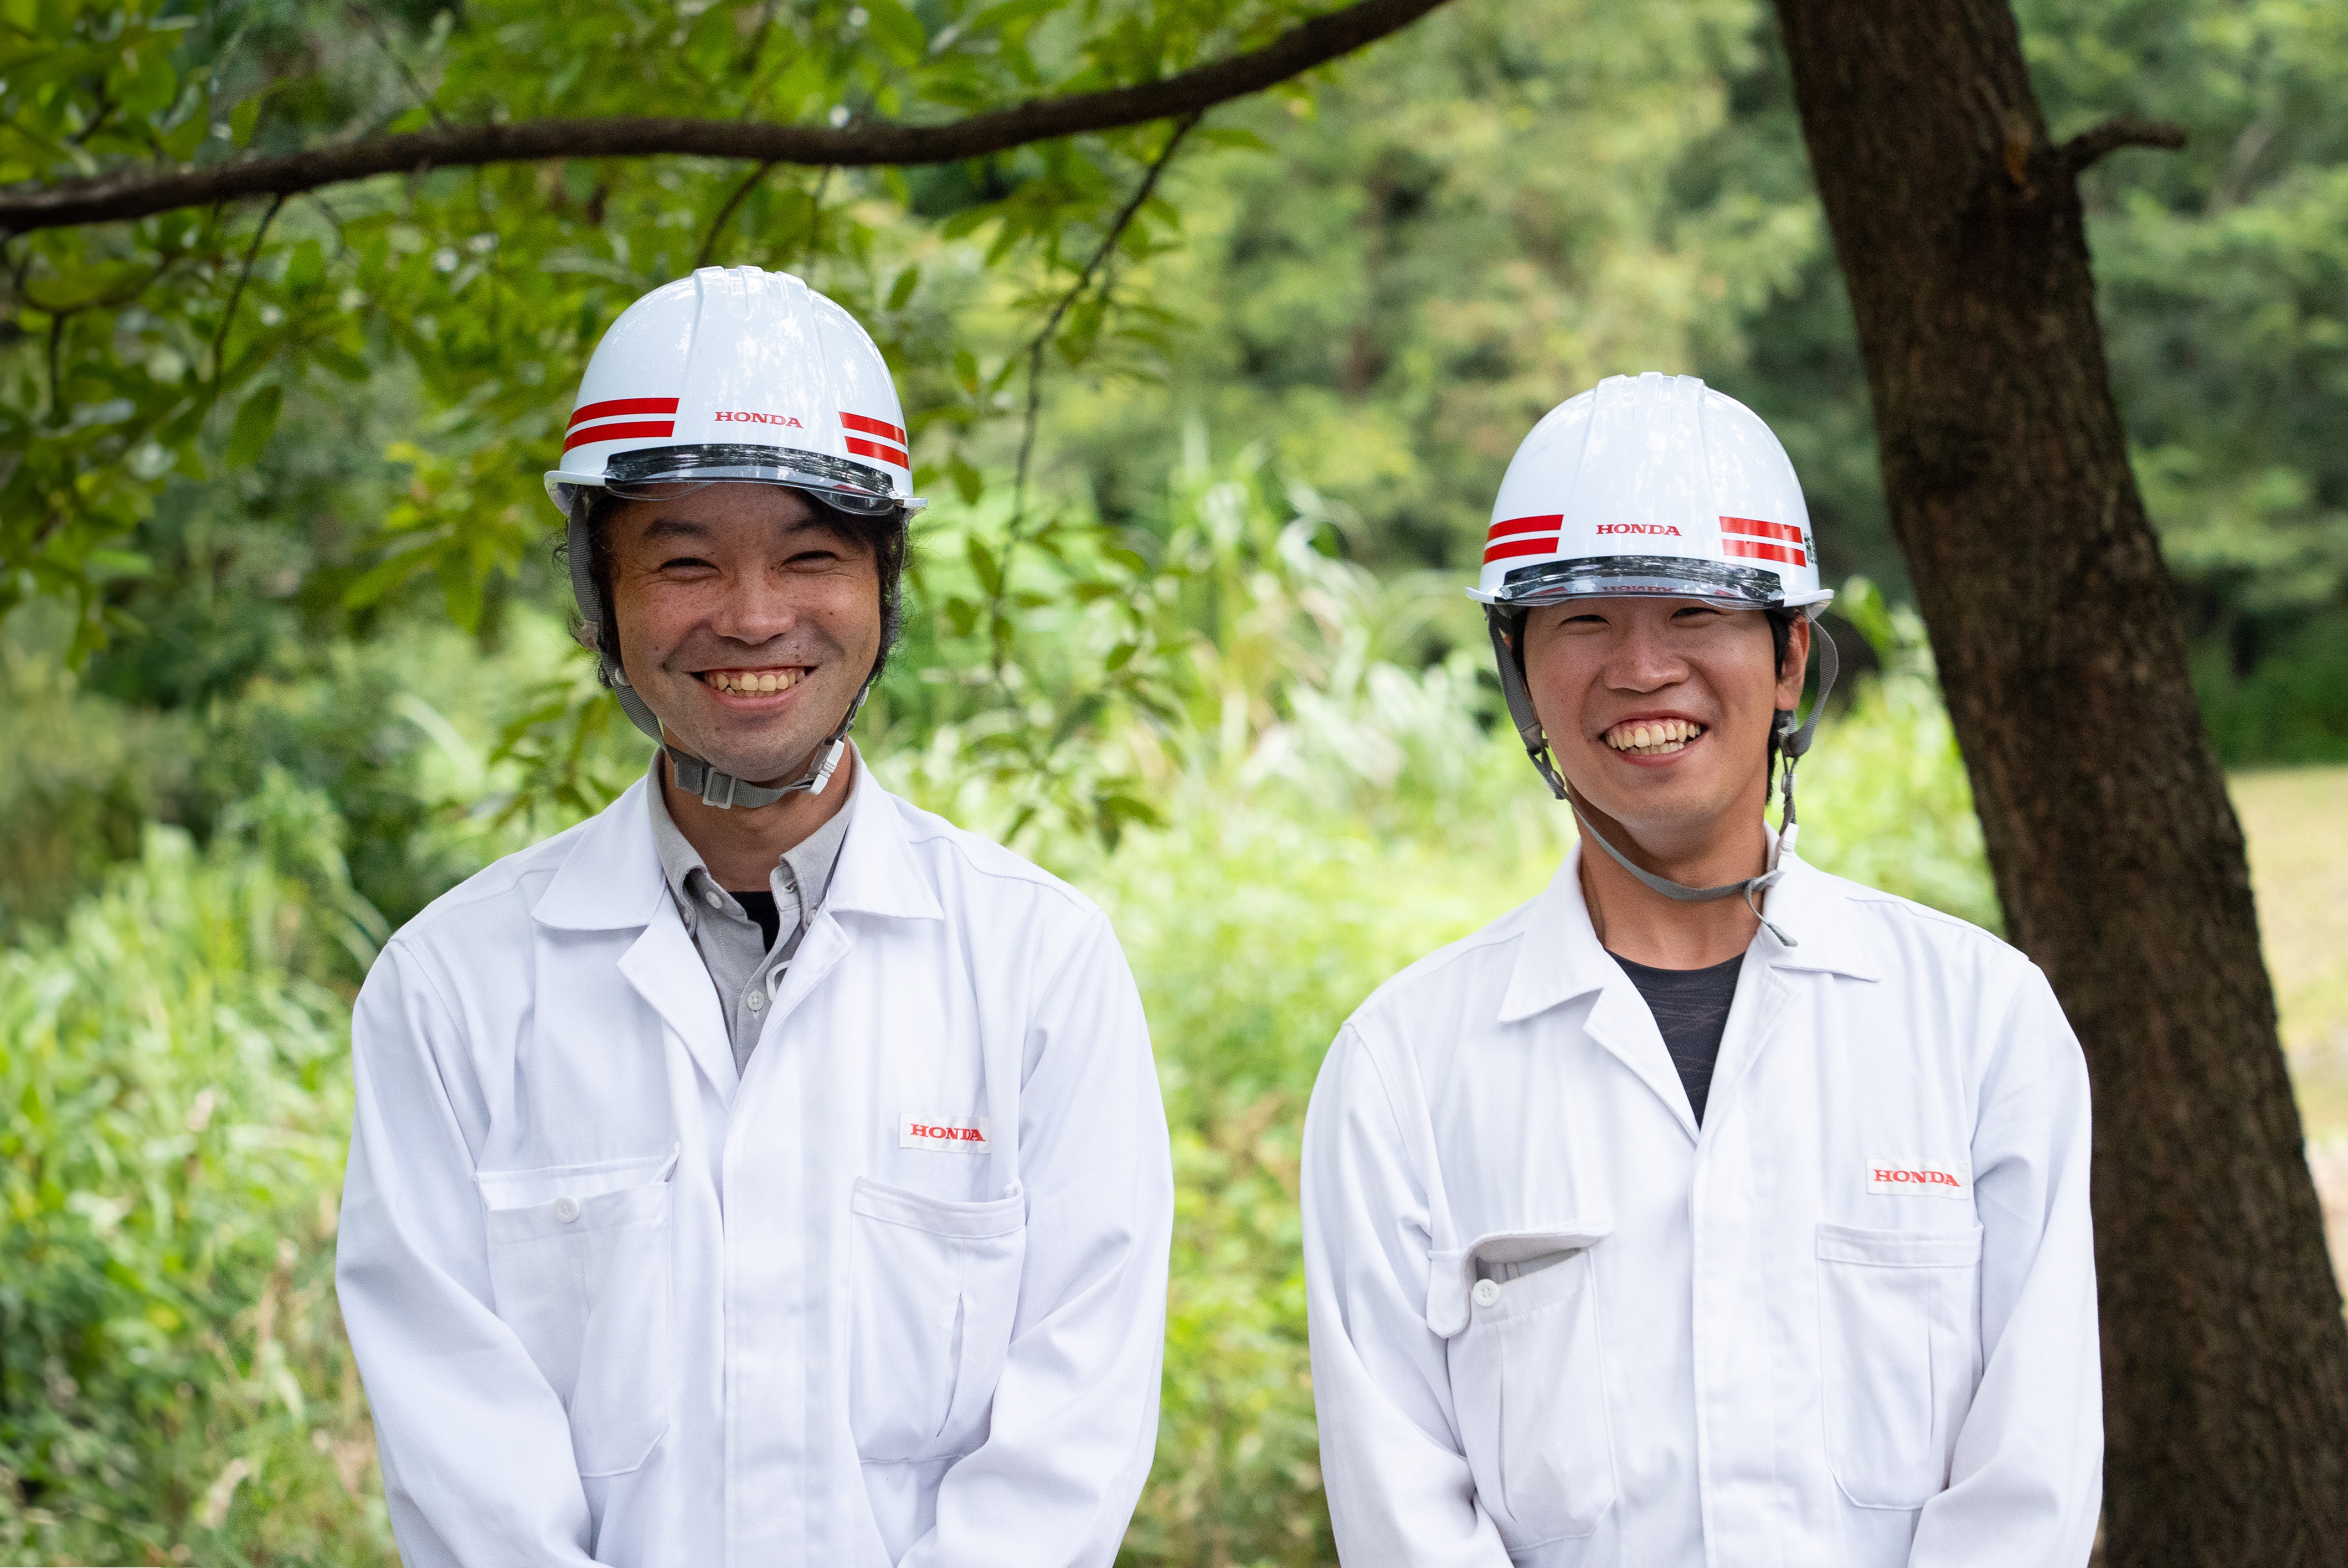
(1708, 1211)
(764, 1171)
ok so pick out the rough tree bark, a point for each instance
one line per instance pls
(2116, 854)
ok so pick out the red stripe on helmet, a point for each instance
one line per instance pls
(1759, 551)
(874, 449)
(1543, 545)
(619, 405)
(874, 428)
(1548, 524)
(595, 433)
(1764, 530)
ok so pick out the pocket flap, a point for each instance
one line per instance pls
(1451, 1272)
(971, 1221)
(1899, 1249)
(548, 1184)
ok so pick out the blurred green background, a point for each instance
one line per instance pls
(1226, 684)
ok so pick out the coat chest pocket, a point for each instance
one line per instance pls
(1527, 1357)
(936, 1285)
(1899, 1320)
(580, 1265)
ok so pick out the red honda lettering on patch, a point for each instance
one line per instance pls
(945, 1135)
(1918, 1178)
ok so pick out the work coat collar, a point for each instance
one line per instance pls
(1562, 959)
(611, 879)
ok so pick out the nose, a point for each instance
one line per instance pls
(1641, 659)
(755, 609)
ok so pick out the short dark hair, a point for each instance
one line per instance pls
(884, 533)
(1781, 641)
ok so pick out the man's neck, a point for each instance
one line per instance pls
(742, 845)
(1635, 922)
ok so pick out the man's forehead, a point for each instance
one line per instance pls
(709, 512)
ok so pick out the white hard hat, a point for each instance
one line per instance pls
(743, 374)
(1651, 485)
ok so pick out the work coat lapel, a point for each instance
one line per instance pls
(1811, 908)
(611, 881)
(877, 876)
(1560, 960)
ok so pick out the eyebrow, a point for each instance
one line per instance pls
(674, 529)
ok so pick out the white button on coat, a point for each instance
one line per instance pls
(613, 1304)
(1849, 1321)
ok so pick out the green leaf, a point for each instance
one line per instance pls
(256, 421)
(983, 562)
(902, 293)
(242, 120)
(967, 481)
(897, 30)
(308, 267)
(1231, 136)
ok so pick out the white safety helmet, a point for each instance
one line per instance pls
(1651, 486)
(740, 375)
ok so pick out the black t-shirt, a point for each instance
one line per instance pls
(1690, 1009)
(760, 906)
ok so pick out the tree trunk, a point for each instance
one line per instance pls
(2117, 853)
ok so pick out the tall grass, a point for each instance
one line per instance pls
(174, 1095)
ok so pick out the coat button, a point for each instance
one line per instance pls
(566, 1208)
(756, 1000)
(714, 900)
(1487, 1293)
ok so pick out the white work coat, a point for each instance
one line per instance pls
(896, 1297)
(1848, 1323)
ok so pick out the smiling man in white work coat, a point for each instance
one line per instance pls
(1707, 1211)
(764, 1171)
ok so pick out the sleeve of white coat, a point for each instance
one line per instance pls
(475, 1450)
(1398, 1485)
(2026, 1483)
(1075, 1411)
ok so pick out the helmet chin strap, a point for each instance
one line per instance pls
(693, 774)
(1791, 742)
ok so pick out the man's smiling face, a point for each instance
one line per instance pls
(1659, 709)
(748, 618)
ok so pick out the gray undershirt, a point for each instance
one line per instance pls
(1690, 1009)
(747, 971)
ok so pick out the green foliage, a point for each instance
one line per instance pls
(1883, 797)
(81, 777)
(2223, 273)
(174, 1095)
(181, 349)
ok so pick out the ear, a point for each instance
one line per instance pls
(1797, 658)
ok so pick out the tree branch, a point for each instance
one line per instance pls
(2097, 140)
(725, 213)
(141, 192)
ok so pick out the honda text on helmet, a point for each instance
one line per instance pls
(1654, 485)
(736, 375)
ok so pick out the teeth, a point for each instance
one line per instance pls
(748, 682)
(1656, 737)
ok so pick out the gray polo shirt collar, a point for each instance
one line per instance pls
(746, 971)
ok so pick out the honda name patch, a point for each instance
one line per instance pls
(952, 1134)
(1914, 1179)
